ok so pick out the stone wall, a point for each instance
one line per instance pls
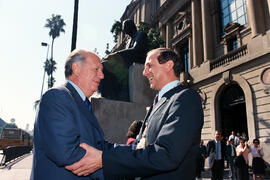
(115, 117)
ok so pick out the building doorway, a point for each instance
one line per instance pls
(233, 110)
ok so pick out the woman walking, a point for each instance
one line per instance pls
(258, 165)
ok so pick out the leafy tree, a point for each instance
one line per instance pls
(51, 81)
(154, 39)
(56, 25)
(116, 29)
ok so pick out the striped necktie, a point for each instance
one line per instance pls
(155, 100)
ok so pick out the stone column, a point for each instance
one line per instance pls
(196, 33)
(163, 32)
(207, 32)
(190, 47)
(268, 2)
(169, 33)
(255, 17)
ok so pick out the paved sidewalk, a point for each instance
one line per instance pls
(207, 175)
(20, 169)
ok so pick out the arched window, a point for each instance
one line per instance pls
(233, 11)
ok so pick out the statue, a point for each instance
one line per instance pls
(116, 65)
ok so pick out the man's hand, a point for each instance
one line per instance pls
(91, 162)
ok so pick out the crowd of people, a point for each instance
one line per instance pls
(234, 150)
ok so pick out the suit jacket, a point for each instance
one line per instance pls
(211, 151)
(173, 138)
(62, 123)
(229, 151)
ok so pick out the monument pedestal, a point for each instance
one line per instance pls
(115, 117)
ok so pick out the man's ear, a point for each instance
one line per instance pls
(75, 68)
(169, 65)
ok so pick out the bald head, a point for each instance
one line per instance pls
(79, 56)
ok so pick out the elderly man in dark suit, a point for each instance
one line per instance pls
(170, 136)
(64, 120)
(216, 150)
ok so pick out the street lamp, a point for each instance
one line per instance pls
(44, 44)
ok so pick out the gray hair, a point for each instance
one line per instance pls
(73, 57)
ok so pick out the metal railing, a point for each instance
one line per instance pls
(13, 152)
(231, 56)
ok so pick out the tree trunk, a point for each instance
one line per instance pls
(52, 48)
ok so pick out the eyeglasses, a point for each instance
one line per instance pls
(256, 142)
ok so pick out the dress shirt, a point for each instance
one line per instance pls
(78, 90)
(233, 150)
(255, 153)
(218, 150)
(167, 87)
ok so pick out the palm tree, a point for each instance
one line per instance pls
(56, 25)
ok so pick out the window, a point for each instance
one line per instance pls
(232, 44)
(184, 53)
(233, 11)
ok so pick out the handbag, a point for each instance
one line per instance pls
(239, 161)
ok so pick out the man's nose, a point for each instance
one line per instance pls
(101, 75)
(145, 71)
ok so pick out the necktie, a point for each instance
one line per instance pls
(93, 119)
(88, 104)
(218, 150)
(155, 100)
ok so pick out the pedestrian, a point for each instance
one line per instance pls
(236, 139)
(133, 131)
(258, 164)
(244, 136)
(232, 136)
(200, 159)
(231, 154)
(241, 161)
(216, 150)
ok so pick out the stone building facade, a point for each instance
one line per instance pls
(225, 45)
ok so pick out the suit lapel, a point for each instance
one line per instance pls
(165, 98)
(151, 111)
(161, 102)
(157, 106)
(83, 108)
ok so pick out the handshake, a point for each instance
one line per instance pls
(91, 162)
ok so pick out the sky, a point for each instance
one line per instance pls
(22, 56)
